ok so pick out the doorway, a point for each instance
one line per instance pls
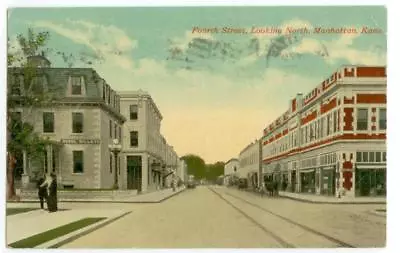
(134, 172)
(370, 182)
(293, 180)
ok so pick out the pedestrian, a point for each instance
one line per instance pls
(42, 191)
(51, 186)
(53, 194)
(275, 186)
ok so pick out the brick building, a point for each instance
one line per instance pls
(333, 139)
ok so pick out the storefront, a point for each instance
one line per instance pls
(307, 178)
(370, 180)
(328, 179)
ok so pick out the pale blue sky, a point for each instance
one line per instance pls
(219, 107)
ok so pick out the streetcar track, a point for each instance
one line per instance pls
(273, 235)
(328, 237)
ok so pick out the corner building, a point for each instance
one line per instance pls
(332, 141)
(79, 125)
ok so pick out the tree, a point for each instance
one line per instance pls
(195, 166)
(20, 134)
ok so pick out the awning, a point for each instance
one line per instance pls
(307, 171)
(371, 166)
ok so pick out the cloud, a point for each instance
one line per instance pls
(183, 42)
(335, 51)
(107, 42)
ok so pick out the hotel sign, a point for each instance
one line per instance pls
(80, 141)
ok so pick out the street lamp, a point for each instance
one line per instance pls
(115, 148)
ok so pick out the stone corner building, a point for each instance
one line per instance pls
(87, 117)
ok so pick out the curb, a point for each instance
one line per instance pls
(82, 233)
(102, 201)
(333, 203)
(172, 195)
(327, 202)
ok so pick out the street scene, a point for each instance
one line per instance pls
(216, 129)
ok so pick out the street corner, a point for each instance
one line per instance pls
(29, 227)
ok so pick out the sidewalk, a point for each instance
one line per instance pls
(150, 197)
(332, 199)
(24, 225)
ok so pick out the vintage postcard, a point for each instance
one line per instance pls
(196, 127)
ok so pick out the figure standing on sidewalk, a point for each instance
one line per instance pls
(51, 186)
(42, 191)
(53, 194)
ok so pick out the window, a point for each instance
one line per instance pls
(48, 122)
(78, 161)
(38, 84)
(111, 162)
(335, 121)
(371, 156)
(328, 124)
(104, 92)
(76, 85)
(133, 111)
(77, 122)
(382, 119)
(111, 126)
(109, 95)
(384, 156)
(16, 84)
(311, 132)
(362, 119)
(115, 130)
(358, 157)
(378, 157)
(322, 127)
(119, 133)
(134, 138)
(365, 157)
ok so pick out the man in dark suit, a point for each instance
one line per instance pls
(42, 192)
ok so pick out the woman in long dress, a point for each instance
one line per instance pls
(53, 194)
(51, 184)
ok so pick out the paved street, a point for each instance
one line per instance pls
(217, 217)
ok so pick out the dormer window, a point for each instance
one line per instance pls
(38, 84)
(77, 85)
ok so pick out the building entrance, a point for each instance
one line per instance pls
(134, 172)
(370, 182)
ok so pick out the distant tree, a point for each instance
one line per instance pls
(195, 166)
(215, 170)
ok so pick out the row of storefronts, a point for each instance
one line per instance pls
(332, 141)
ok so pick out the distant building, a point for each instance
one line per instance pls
(147, 160)
(231, 169)
(332, 140)
(182, 170)
(249, 159)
